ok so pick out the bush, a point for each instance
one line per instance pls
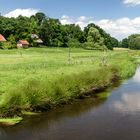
(94, 46)
(7, 45)
(74, 43)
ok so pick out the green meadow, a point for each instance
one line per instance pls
(37, 79)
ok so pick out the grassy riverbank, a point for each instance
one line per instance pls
(37, 79)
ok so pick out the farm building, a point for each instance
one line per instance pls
(36, 39)
(2, 39)
(39, 41)
(22, 44)
(34, 36)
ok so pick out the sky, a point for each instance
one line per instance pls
(120, 18)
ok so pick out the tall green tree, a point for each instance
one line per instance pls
(40, 17)
(124, 43)
(52, 32)
(108, 40)
(94, 39)
(134, 41)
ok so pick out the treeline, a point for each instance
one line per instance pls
(132, 42)
(54, 34)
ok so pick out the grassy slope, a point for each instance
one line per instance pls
(38, 78)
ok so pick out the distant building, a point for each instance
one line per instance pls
(36, 39)
(2, 39)
(34, 36)
(22, 44)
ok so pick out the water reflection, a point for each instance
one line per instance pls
(115, 118)
(129, 102)
(34, 126)
(136, 77)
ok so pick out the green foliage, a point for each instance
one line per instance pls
(10, 121)
(109, 41)
(74, 43)
(40, 17)
(124, 43)
(51, 31)
(74, 32)
(0, 45)
(114, 42)
(124, 72)
(12, 40)
(7, 45)
(94, 39)
(134, 41)
(93, 35)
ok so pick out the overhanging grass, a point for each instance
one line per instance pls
(29, 113)
(103, 94)
(10, 121)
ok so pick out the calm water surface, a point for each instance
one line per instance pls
(115, 118)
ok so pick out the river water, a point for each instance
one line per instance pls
(114, 118)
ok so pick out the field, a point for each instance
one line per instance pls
(37, 78)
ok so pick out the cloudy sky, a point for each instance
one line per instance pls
(120, 18)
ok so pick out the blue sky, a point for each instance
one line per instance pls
(98, 9)
(82, 12)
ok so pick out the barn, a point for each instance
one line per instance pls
(22, 44)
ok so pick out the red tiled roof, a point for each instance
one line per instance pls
(23, 42)
(2, 38)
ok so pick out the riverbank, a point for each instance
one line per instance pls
(104, 118)
(51, 85)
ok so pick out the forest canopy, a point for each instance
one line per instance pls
(53, 33)
(132, 42)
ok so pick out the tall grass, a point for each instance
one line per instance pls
(42, 79)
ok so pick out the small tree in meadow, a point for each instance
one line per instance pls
(94, 39)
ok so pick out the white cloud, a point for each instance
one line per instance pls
(24, 12)
(131, 2)
(82, 21)
(129, 103)
(136, 77)
(66, 20)
(119, 28)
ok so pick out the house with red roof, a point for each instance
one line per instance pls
(2, 39)
(22, 44)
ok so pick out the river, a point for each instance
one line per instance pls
(114, 118)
